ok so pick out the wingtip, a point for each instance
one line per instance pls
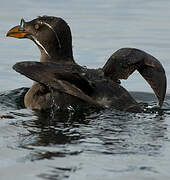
(17, 66)
(163, 88)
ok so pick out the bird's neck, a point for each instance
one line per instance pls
(58, 55)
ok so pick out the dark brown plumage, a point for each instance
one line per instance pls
(59, 79)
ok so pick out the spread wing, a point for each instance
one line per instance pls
(125, 61)
(64, 78)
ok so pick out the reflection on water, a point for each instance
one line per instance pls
(86, 144)
(74, 142)
(103, 133)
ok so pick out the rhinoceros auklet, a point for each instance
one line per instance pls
(60, 80)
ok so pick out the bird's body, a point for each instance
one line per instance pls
(82, 86)
(60, 80)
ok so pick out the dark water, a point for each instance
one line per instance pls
(85, 144)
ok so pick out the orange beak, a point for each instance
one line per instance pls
(16, 32)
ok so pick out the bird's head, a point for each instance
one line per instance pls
(51, 34)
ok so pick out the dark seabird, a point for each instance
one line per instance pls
(59, 79)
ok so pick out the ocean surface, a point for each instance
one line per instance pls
(83, 144)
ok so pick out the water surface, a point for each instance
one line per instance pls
(85, 144)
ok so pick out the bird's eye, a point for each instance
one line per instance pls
(36, 26)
